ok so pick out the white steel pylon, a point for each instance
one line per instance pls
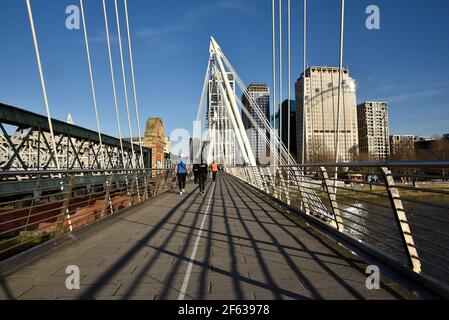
(228, 96)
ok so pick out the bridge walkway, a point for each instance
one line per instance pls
(232, 243)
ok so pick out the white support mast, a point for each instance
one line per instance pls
(231, 103)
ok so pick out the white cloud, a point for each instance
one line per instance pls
(188, 21)
(233, 5)
(412, 95)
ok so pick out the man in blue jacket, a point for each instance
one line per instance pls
(181, 170)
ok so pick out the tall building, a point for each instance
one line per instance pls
(402, 147)
(284, 134)
(255, 131)
(373, 130)
(223, 141)
(317, 106)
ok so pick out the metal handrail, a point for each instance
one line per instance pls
(389, 164)
(75, 171)
(323, 191)
(34, 213)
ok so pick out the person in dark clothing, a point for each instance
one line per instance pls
(195, 173)
(202, 175)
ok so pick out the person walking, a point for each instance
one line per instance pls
(195, 173)
(202, 175)
(181, 170)
(214, 169)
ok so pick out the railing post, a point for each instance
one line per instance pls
(65, 205)
(107, 197)
(254, 178)
(36, 199)
(167, 176)
(150, 184)
(131, 191)
(247, 177)
(401, 220)
(172, 175)
(331, 190)
(136, 179)
(272, 183)
(277, 183)
(145, 181)
(128, 191)
(262, 179)
(158, 182)
(287, 185)
(302, 194)
(282, 185)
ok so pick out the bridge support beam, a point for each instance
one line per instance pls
(231, 100)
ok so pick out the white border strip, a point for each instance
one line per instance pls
(185, 284)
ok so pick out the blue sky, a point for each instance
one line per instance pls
(405, 63)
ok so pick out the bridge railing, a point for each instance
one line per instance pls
(400, 210)
(37, 206)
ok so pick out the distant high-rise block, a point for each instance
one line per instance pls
(402, 147)
(373, 130)
(316, 115)
(285, 131)
(257, 133)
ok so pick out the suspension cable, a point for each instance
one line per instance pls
(134, 83)
(124, 84)
(273, 20)
(41, 75)
(200, 111)
(276, 140)
(265, 121)
(94, 97)
(340, 75)
(289, 78)
(304, 85)
(114, 89)
(280, 70)
(260, 131)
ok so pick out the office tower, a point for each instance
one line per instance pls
(222, 142)
(374, 133)
(317, 104)
(257, 134)
(402, 147)
(293, 133)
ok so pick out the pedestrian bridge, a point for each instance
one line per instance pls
(235, 242)
(76, 204)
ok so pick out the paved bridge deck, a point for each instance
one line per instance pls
(231, 243)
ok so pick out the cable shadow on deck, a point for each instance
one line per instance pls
(184, 251)
(324, 264)
(265, 268)
(5, 287)
(142, 243)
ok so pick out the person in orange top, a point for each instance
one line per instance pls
(214, 169)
